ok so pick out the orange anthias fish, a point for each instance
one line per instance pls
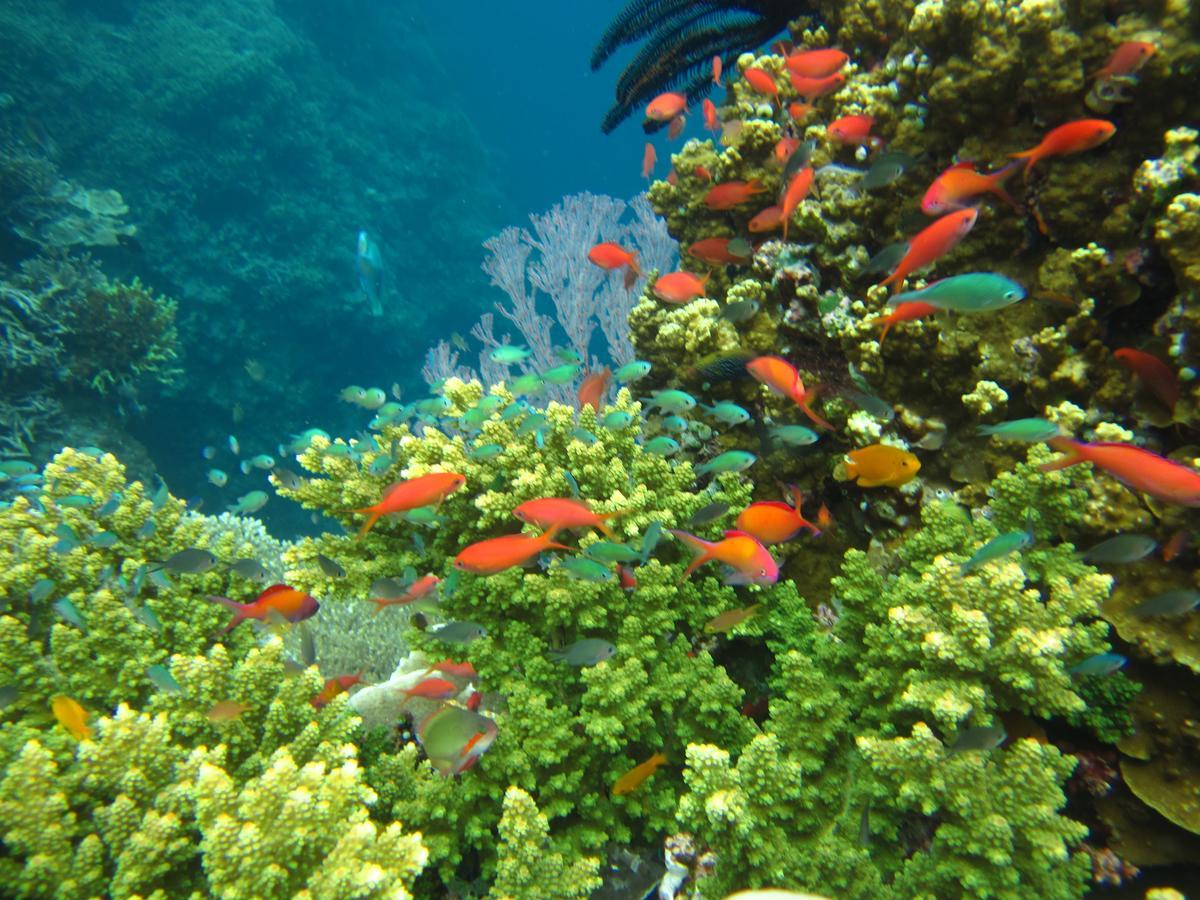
(810, 88)
(71, 716)
(767, 220)
(819, 63)
(279, 601)
(932, 242)
(433, 689)
(612, 256)
(675, 129)
(710, 115)
(784, 148)
(761, 81)
(881, 466)
(1158, 377)
(702, 173)
(774, 522)
(424, 490)
(1126, 59)
(1074, 137)
(457, 669)
(559, 513)
(853, 130)
(796, 191)
(798, 110)
(649, 158)
(716, 69)
(729, 194)
(666, 106)
(632, 779)
(1161, 478)
(751, 561)
(422, 587)
(680, 287)
(961, 183)
(782, 378)
(716, 251)
(591, 391)
(904, 312)
(338, 684)
(494, 555)
(1176, 545)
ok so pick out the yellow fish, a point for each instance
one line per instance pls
(639, 773)
(727, 620)
(226, 711)
(881, 465)
(71, 716)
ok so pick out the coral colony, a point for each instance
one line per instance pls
(695, 584)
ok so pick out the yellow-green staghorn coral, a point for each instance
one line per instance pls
(529, 866)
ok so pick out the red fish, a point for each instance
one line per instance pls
(424, 490)
(475, 701)
(1138, 469)
(565, 512)
(679, 287)
(702, 173)
(1176, 545)
(649, 158)
(729, 194)
(767, 220)
(591, 391)
(666, 106)
(710, 115)
(751, 561)
(810, 88)
(1158, 377)
(784, 148)
(458, 670)
(715, 250)
(761, 81)
(612, 256)
(672, 178)
(773, 522)
(904, 312)
(1126, 59)
(854, 130)
(675, 129)
(819, 63)
(422, 587)
(1074, 137)
(825, 518)
(626, 578)
(339, 684)
(796, 191)
(782, 378)
(497, 554)
(277, 601)
(798, 110)
(433, 689)
(960, 183)
(933, 242)
(716, 70)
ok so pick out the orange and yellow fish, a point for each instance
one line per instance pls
(903, 312)
(1141, 470)
(612, 256)
(666, 106)
(782, 378)
(931, 243)
(960, 183)
(338, 684)
(559, 513)
(649, 158)
(751, 561)
(71, 716)
(774, 522)
(795, 192)
(591, 391)
(632, 779)
(729, 194)
(494, 555)
(680, 287)
(710, 115)
(1065, 140)
(1158, 377)
(420, 588)
(817, 63)
(716, 70)
(811, 88)
(716, 251)
(279, 601)
(853, 130)
(880, 465)
(433, 689)
(761, 81)
(1126, 60)
(730, 619)
(424, 490)
(767, 220)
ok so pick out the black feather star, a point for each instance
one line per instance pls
(682, 37)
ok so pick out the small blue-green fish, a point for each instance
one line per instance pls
(583, 435)
(633, 371)
(979, 737)
(729, 461)
(93, 452)
(650, 540)
(160, 579)
(793, 435)
(69, 612)
(146, 616)
(563, 374)
(572, 483)
(567, 355)
(611, 552)
(147, 530)
(8, 695)
(490, 403)
(330, 568)
(799, 159)
(728, 414)
(975, 292)
(450, 584)
(675, 424)
(473, 419)
(1172, 603)
(618, 418)
(160, 496)
(998, 548)
(64, 545)
(587, 652)
(514, 410)
(870, 404)
(75, 501)
(533, 422)
(418, 543)
(16, 467)
(287, 479)
(709, 513)
(65, 532)
(507, 354)
(250, 569)
(586, 569)
(887, 168)
(249, 503)
(424, 515)
(1029, 431)
(486, 451)
(459, 632)
(300, 442)
(672, 401)
(192, 561)
(740, 310)
(33, 480)
(661, 446)
(527, 384)
(886, 259)
(433, 406)
(1100, 665)
(1122, 548)
(103, 540)
(110, 506)
(379, 465)
(163, 679)
(41, 589)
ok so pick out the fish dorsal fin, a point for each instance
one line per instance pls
(274, 589)
(735, 534)
(774, 504)
(962, 164)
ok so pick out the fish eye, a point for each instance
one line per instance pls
(762, 573)
(1010, 295)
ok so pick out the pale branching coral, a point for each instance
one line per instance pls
(529, 865)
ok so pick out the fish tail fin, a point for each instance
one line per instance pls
(701, 548)
(804, 402)
(240, 610)
(1072, 448)
(755, 186)
(1027, 158)
(997, 178)
(372, 515)
(633, 263)
(602, 523)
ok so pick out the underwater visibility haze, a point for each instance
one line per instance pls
(649, 449)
